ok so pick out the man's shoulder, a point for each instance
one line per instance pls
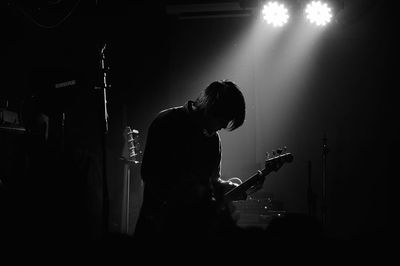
(170, 116)
(171, 113)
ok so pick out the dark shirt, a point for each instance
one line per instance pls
(180, 164)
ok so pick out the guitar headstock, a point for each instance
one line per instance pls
(131, 150)
(277, 158)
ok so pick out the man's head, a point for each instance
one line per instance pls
(222, 105)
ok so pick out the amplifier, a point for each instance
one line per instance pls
(9, 117)
(257, 212)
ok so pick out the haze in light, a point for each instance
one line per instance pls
(318, 13)
(275, 14)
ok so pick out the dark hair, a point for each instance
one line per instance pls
(223, 98)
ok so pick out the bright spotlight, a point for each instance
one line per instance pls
(318, 13)
(275, 13)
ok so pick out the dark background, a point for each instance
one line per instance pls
(159, 60)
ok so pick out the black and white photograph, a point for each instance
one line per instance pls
(195, 130)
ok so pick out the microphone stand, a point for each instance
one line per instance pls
(103, 88)
(325, 151)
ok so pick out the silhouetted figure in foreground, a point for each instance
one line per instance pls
(183, 192)
(184, 203)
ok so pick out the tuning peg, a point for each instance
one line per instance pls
(267, 155)
(273, 152)
(279, 151)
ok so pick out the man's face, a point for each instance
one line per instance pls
(214, 123)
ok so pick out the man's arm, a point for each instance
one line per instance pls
(221, 186)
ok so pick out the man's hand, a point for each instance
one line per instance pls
(230, 184)
(221, 187)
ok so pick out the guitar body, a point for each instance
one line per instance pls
(199, 211)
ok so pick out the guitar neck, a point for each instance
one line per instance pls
(251, 181)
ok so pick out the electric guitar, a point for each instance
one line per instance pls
(132, 183)
(272, 164)
(209, 205)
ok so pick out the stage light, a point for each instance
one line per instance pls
(319, 13)
(275, 14)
